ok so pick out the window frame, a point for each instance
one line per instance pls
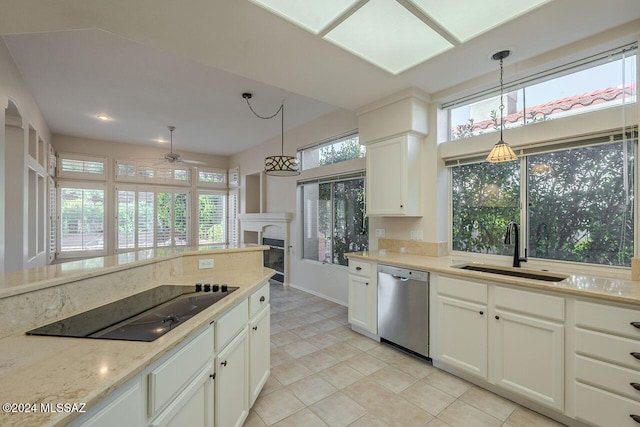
(206, 184)
(328, 142)
(61, 174)
(225, 215)
(154, 180)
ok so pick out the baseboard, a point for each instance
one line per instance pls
(318, 294)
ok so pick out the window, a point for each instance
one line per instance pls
(212, 177)
(139, 222)
(579, 204)
(81, 219)
(606, 83)
(333, 151)
(212, 218)
(334, 221)
(232, 214)
(139, 171)
(81, 167)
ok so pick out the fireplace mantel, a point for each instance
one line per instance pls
(266, 218)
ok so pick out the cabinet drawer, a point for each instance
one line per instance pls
(602, 408)
(608, 318)
(462, 289)
(534, 303)
(360, 268)
(168, 379)
(611, 377)
(609, 348)
(258, 300)
(231, 323)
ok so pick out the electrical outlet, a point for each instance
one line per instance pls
(416, 235)
(379, 232)
(205, 263)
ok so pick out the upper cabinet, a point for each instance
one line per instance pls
(394, 177)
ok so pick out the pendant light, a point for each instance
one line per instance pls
(501, 152)
(278, 165)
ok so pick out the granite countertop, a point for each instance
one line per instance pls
(40, 369)
(611, 289)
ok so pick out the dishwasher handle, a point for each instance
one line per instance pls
(404, 279)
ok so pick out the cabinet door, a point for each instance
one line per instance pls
(529, 357)
(386, 177)
(124, 410)
(192, 407)
(232, 382)
(259, 353)
(362, 304)
(462, 336)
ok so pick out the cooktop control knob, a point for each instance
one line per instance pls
(216, 288)
(198, 287)
(224, 288)
(207, 287)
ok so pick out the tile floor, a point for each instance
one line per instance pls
(324, 374)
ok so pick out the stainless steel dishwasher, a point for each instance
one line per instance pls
(403, 308)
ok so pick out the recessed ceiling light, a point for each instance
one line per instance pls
(388, 35)
(310, 15)
(161, 141)
(103, 117)
(466, 19)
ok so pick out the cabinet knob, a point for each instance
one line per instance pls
(224, 363)
(213, 376)
(358, 268)
(497, 317)
(635, 324)
(635, 418)
(366, 283)
(255, 328)
(262, 299)
(635, 385)
(481, 313)
(401, 206)
(635, 354)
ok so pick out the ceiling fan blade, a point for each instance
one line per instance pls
(193, 162)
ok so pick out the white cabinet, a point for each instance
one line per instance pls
(121, 410)
(394, 177)
(232, 383)
(259, 353)
(363, 296)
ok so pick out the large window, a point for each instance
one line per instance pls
(606, 83)
(334, 221)
(335, 150)
(579, 204)
(81, 219)
(212, 218)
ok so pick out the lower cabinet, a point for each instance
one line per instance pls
(232, 383)
(119, 412)
(361, 303)
(259, 353)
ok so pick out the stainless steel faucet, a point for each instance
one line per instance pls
(514, 229)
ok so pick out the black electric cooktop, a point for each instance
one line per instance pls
(141, 317)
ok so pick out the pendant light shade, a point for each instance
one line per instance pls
(501, 152)
(278, 165)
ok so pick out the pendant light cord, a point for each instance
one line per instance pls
(501, 98)
(281, 109)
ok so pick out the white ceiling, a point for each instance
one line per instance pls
(151, 63)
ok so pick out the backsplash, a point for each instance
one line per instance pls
(414, 247)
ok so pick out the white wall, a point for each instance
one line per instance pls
(325, 280)
(13, 87)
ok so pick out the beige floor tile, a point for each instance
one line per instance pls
(276, 327)
(415, 367)
(362, 343)
(283, 338)
(279, 356)
(387, 354)
(318, 361)
(399, 412)
(343, 351)
(312, 389)
(341, 318)
(326, 325)
(304, 418)
(341, 375)
(289, 373)
(448, 383)
(488, 402)
(437, 423)
(299, 348)
(306, 331)
(368, 420)
(253, 420)
(459, 414)
(522, 417)
(324, 340)
(338, 410)
(366, 364)
(271, 385)
(277, 406)
(344, 333)
(393, 379)
(428, 398)
(368, 393)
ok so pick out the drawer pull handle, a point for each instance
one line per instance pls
(224, 363)
(497, 317)
(366, 283)
(635, 385)
(255, 328)
(358, 268)
(481, 313)
(635, 324)
(635, 418)
(635, 354)
(262, 299)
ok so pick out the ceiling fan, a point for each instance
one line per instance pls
(174, 158)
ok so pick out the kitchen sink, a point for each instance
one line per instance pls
(514, 272)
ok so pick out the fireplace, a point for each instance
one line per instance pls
(274, 257)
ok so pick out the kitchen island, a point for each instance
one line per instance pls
(74, 374)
